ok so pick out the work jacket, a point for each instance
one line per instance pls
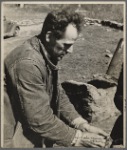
(31, 100)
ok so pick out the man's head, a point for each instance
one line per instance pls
(59, 32)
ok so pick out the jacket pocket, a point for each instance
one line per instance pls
(18, 140)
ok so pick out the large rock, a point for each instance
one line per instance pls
(94, 100)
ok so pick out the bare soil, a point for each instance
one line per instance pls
(89, 55)
(88, 58)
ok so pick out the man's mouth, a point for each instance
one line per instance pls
(60, 57)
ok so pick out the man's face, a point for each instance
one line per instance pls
(59, 48)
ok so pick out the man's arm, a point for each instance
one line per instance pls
(35, 104)
(67, 110)
(69, 113)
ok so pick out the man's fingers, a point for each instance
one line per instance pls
(99, 142)
(91, 145)
(97, 130)
(101, 132)
(92, 140)
(100, 145)
(92, 129)
(95, 143)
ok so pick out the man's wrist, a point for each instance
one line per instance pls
(77, 138)
(78, 121)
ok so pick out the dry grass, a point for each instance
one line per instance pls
(105, 11)
(99, 11)
(89, 53)
(88, 57)
(18, 14)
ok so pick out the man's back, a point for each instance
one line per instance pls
(28, 52)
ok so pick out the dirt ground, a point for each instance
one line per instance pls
(90, 49)
(89, 56)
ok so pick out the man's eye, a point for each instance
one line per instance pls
(60, 47)
(67, 45)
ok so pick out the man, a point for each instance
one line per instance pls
(32, 99)
(117, 131)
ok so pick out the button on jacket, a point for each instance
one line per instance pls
(31, 100)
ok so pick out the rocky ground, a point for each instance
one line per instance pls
(92, 54)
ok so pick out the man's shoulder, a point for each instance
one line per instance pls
(29, 50)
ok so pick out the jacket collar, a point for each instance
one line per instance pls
(37, 44)
(45, 55)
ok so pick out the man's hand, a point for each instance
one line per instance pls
(91, 140)
(86, 127)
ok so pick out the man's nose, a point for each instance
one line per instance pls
(70, 50)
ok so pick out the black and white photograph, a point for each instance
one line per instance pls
(63, 74)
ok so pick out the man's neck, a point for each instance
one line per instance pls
(54, 61)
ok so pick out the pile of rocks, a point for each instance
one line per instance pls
(94, 100)
(90, 21)
(87, 21)
(29, 22)
(112, 24)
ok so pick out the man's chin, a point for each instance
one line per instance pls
(59, 58)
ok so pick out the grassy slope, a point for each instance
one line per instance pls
(88, 57)
(16, 13)
(89, 53)
(102, 11)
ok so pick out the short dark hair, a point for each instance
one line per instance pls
(57, 21)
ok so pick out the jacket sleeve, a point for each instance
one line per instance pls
(35, 104)
(66, 108)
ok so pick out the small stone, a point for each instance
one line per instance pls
(80, 35)
(92, 23)
(84, 77)
(109, 55)
(108, 30)
(97, 24)
(108, 51)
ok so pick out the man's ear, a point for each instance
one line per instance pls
(48, 36)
